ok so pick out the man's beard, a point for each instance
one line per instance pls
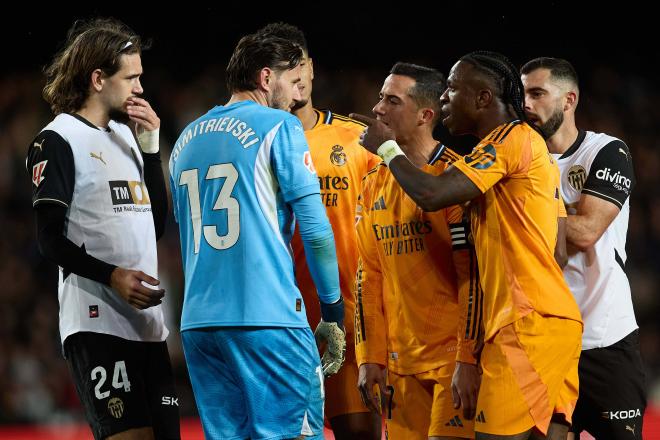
(297, 105)
(550, 127)
(277, 100)
(119, 115)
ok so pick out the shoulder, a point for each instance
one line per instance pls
(599, 141)
(328, 117)
(48, 144)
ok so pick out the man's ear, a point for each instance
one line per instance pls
(97, 80)
(266, 78)
(571, 99)
(483, 98)
(426, 115)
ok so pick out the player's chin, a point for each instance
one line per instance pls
(119, 115)
(447, 122)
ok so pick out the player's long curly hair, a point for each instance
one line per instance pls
(505, 76)
(94, 44)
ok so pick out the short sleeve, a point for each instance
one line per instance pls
(52, 168)
(487, 164)
(611, 176)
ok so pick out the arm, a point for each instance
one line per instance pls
(155, 182)
(561, 253)
(146, 127)
(428, 191)
(370, 325)
(594, 216)
(433, 192)
(466, 379)
(318, 241)
(606, 189)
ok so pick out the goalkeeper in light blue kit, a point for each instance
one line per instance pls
(241, 175)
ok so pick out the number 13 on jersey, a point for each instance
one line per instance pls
(224, 200)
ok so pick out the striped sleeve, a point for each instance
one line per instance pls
(370, 326)
(470, 295)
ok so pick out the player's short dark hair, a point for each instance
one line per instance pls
(429, 85)
(286, 31)
(254, 52)
(92, 44)
(504, 76)
(559, 68)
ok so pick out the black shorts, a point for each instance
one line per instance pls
(612, 391)
(123, 384)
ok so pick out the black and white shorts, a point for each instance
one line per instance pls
(123, 384)
(612, 391)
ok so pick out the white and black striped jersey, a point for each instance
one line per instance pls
(600, 165)
(98, 176)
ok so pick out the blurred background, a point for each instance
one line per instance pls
(353, 48)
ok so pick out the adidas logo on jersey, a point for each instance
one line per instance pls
(456, 421)
(481, 418)
(379, 205)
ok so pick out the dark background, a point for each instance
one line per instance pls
(613, 47)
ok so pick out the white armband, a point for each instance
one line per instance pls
(389, 150)
(148, 141)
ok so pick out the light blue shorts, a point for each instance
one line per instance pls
(254, 382)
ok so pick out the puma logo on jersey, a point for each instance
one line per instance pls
(628, 428)
(38, 172)
(98, 156)
(624, 152)
(39, 144)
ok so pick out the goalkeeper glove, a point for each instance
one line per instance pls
(331, 332)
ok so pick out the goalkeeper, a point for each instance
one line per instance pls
(241, 177)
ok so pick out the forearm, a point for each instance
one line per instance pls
(55, 247)
(430, 192)
(318, 241)
(581, 231)
(155, 182)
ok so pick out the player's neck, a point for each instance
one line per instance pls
(248, 95)
(95, 114)
(307, 115)
(419, 148)
(490, 121)
(563, 138)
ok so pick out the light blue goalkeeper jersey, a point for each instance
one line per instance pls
(232, 173)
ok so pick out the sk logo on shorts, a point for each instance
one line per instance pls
(116, 407)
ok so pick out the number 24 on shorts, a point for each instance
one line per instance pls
(119, 379)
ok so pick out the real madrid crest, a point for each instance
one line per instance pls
(577, 175)
(116, 407)
(338, 157)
